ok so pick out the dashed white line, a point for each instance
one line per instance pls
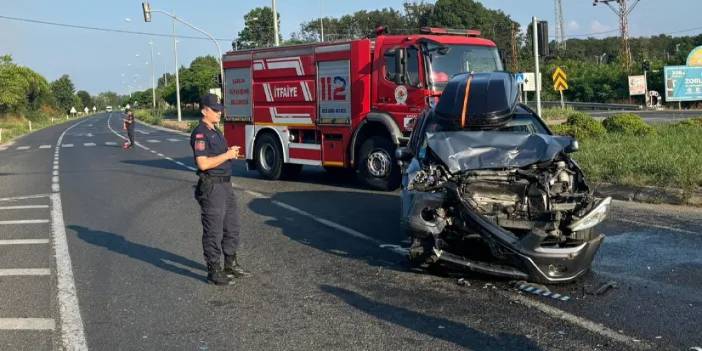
(45, 146)
(664, 227)
(88, 144)
(23, 147)
(24, 241)
(173, 140)
(27, 324)
(153, 141)
(142, 132)
(24, 221)
(161, 155)
(24, 207)
(26, 197)
(67, 145)
(14, 272)
(110, 143)
(180, 163)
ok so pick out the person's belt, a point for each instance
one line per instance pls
(215, 178)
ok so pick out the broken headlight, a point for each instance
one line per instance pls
(593, 218)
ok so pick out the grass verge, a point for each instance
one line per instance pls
(13, 126)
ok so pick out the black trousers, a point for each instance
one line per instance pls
(130, 134)
(219, 213)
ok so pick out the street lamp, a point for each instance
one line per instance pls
(146, 7)
(153, 79)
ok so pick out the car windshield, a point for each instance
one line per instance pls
(445, 61)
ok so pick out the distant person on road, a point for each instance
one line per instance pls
(214, 193)
(129, 124)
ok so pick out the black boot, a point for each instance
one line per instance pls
(232, 268)
(216, 276)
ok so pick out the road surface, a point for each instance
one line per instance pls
(100, 249)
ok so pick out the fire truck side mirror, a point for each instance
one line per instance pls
(399, 66)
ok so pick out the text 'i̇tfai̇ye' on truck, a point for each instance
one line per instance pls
(342, 104)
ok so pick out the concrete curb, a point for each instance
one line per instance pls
(649, 194)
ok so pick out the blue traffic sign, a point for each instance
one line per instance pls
(519, 77)
(683, 83)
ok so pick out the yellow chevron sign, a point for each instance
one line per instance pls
(560, 81)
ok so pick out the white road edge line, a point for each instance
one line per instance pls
(542, 307)
(24, 241)
(45, 147)
(72, 330)
(664, 227)
(27, 324)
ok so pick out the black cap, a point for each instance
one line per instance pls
(211, 101)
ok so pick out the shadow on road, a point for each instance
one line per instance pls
(154, 256)
(375, 216)
(162, 163)
(454, 332)
(310, 175)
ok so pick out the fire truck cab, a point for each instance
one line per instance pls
(343, 104)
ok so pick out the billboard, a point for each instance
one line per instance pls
(683, 83)
(637, 85)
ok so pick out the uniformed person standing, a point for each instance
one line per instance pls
(214, 193)
(129, 124)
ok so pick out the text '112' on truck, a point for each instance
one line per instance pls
(343, 104)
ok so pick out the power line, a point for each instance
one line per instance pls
(110, 30)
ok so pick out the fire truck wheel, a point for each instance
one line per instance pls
(269, 157)
(378, 168)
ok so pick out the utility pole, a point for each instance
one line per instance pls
(537, 72)
(560, 27)
(321, 22)
(153, 79)
(515, 54)
(622, 9)
(175, 54)
(275, 25)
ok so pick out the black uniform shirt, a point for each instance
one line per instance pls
(210, 142)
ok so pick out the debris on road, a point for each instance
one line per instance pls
(462, 282)
(606, 286)
(538, 289)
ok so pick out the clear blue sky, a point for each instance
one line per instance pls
(99, 61)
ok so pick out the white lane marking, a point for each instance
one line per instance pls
(55, 172)
(161, 155)
(72, 334)
(24, 207)
(180, 163)
(664, 227)
(24, 241)
(45, 146)
(3, 148)
(55, 179)
(191, 168)
(23, 147)
(26, 197)
(27, 324)
(67, 145)
(579, 321)
(142, 132)
(14, 272)
(25, 221)
(169, 159)
(549, 310)
(88, 144)
(165, 129)
(173, 140)
(110, 143)
(153, 141)
(153, 151)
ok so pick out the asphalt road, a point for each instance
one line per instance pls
(328, 272)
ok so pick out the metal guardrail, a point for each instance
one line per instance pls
(591, 106)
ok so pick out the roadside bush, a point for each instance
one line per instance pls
(580, 125)
(692, 122)
(192, 125)
(146, 117)
(627, 123)
(554, 114)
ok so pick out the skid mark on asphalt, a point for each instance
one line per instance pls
(551, 311)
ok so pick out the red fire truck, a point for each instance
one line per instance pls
(343, 104)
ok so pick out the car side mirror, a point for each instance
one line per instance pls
(403, 154)
(399, 66)
(573, 147)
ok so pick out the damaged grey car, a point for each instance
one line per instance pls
(487, 187)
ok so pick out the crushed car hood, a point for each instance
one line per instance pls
(473, 150)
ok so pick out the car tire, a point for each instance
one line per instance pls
(377, 166)
(268, 156)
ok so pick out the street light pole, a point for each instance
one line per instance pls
(275, 25)
(147, 18)
(175, 54)
(537, 73)
(153, 80)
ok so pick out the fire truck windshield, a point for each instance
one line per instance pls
(445, 61)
